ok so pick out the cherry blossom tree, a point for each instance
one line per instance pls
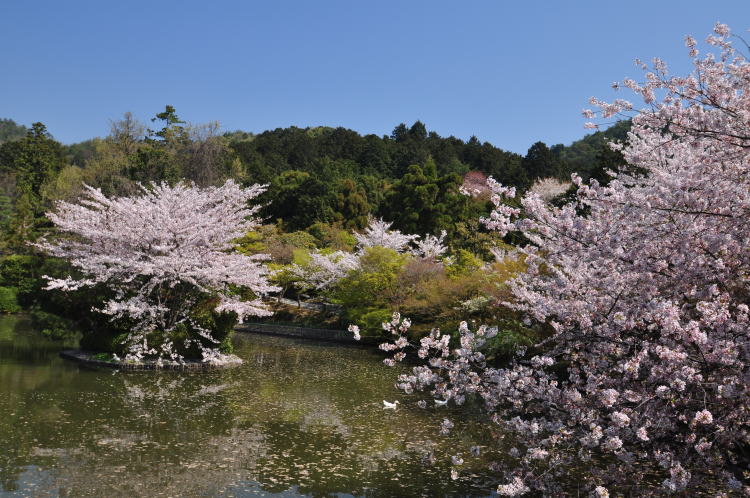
(475, 184)
(643, 286)
(431, 246)
(325, 269)
(378, 233)
(549, 188)
(161, 254)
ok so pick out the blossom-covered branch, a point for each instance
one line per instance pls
(645, 284)
(160, 249)
(379, 234)
(325, 269)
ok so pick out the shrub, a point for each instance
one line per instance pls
(372, 287)
(54, 326)
(22, 273)
(8, 300)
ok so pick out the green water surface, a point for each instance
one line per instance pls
(298, 418)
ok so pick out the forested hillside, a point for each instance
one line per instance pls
(9, 130)
(324, 175)
(323, 183)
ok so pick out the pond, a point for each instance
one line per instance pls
(298, 418)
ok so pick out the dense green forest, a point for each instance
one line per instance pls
(328, 175)
(10, 130)
(323, 183)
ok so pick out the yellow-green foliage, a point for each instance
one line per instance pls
(372, 291)
(269, 239)
(430, 292)
(107, 169)
(284, 276)
(509, 267)
(473, 291)
(8, 301)
(463, 262)
(298, 240)
(332, 237)
(67, 185)
(254, 242)
(301, 257)
(467, 289)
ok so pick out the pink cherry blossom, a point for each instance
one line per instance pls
(378, 233)
(644, 285)
(157, 251)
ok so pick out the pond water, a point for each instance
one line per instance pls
(296, 419)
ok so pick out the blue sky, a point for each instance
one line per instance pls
(510, 73)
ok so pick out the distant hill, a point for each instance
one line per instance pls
(10, 130)
(582, 155)
(388, 156)
(352, 155)
(346, 153)
(319, 175)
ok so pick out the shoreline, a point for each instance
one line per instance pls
(86, 358)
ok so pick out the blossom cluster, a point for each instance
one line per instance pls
(378, 233)
(326, 268)
(644, 284)
(549, 188)
(157, 252)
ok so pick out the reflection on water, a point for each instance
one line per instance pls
(298, 418)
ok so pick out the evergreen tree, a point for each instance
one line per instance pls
(418, 131)
(33, 161)
(352, 209)
(298, 199)
(540, 162)
(422, 202)
(606, 160)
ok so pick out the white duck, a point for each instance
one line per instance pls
(391, 406)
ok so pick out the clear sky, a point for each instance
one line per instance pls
(510, 73)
